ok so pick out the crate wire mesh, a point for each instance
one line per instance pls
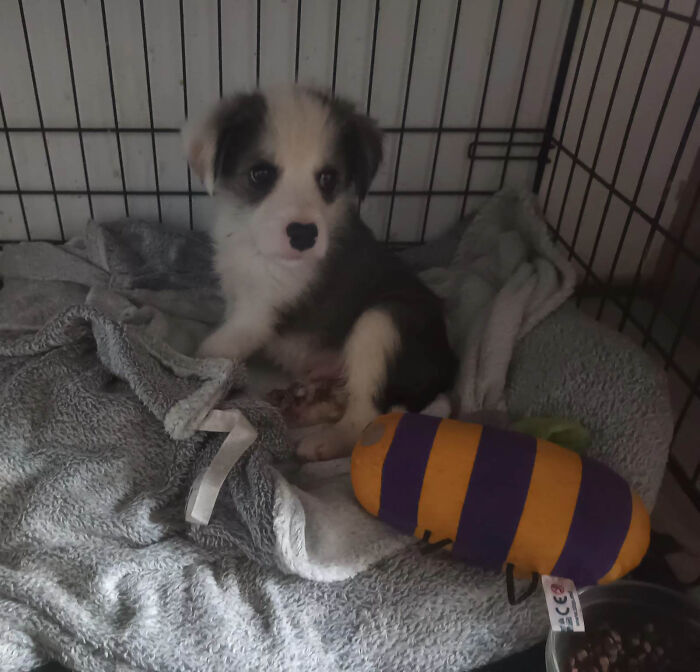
(118, 78)
(591, 103)
(621, 190)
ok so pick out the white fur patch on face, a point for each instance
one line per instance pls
(299, 138)
(300, 130)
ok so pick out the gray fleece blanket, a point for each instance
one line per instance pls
(99, 411)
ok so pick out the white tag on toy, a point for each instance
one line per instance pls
(206, 487)
(563, 604)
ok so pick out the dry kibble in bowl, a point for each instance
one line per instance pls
(630, 626)
(634, 647)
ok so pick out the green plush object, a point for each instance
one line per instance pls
(570, 434)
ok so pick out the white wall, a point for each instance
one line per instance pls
(277, 61)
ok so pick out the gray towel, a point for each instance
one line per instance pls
(504, 279)
(132, 271)
(98, 448)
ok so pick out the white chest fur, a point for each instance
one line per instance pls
(256, 287)
(252, 280)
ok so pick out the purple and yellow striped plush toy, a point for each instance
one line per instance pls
(500, 498)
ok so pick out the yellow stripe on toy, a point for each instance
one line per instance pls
(368, 459)
(637, 538)
(556, 477)
(446, 479)
(500, 497)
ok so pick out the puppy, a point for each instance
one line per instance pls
(305, 281)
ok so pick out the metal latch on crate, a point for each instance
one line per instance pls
(505, 150)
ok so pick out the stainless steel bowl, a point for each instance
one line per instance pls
(605, 604)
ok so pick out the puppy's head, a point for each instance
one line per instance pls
(286, 165)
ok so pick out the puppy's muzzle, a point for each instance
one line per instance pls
(302, 236)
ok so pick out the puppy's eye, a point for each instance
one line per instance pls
(262, 175)
(327, 180)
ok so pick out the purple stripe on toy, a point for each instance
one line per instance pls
(599, 525)
(495, 497)
(403, 470)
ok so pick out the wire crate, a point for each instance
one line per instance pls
(591, 103)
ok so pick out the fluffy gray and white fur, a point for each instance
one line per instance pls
(305, 281)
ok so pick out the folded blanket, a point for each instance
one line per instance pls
(132, 271)
(99, 446)
(504, 279)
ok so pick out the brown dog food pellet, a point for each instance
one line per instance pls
(644, 648)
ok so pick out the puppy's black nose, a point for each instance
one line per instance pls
(302, 236)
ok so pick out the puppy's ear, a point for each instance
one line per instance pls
(199, 142)
(214, 146)
(361, 144)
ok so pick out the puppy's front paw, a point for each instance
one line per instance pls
(310, 404)
(326, 443)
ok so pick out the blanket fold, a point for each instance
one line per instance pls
(504, 279)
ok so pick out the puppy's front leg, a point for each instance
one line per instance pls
(371, 345)
(239, 336)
